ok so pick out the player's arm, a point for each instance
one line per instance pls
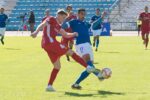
(67, 35)
(92, 20)
(141, 17)
(65, 25)
(40, 27)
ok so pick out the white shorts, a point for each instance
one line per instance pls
(2, 31)
(85, 48)
(96, 32)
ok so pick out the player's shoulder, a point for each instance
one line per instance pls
(73, 20)
(142, 13)
(51, 18)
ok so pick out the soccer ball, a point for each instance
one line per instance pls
(106, 73)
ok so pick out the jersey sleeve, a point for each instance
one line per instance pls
(67, 24)
(92, 19)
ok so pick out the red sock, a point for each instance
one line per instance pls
(53, 76)
(79, 60)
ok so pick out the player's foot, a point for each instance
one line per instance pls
(50, 89)
(100, 76)
(93, 44)
(76, 86)
(146, 48)
(2, 41)
(68, 59)
(91, 69)
(96, 49)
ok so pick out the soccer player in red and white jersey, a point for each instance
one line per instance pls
(51, 27)
(68, 42)
(145, 27)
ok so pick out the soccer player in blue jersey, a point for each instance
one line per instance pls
(97, 31)
(3, 21)
(83, 43)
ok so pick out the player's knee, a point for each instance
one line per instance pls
(57, 67)
(86, 57)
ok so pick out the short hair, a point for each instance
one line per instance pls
(2, 8)
(80, 10)
(70, 5)
(61, 12)
(47, 10)
(97, 9)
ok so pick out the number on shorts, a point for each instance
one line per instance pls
(81, 49)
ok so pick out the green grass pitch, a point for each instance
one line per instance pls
(25, 70)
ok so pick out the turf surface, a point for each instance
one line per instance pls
(25, 70)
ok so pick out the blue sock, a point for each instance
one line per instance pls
(91, 64)
(83, 76)
(97, 43)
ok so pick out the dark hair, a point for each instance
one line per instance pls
(61, 12)
(70, 5)
(2, 8)
(97, 9)
(80, 10)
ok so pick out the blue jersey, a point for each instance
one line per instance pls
(3, 19)
(94, 18)
(82, 28)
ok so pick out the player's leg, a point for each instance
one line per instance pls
(139, 27)
(2, 39)
(143, 38)
(85, 73)
(87, 55)
(53, 75)
(147, 41)
(2, 33)
(70, 44)
(80, 60)
(94, 40)
(97, 42)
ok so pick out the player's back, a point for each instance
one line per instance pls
(3, 18)
(50, 31)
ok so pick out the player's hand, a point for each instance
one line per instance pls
(104, 14)
(76, 34)
(34, 34)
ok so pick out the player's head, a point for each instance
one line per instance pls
(81, 13)
(97, 11)
(146, 8)
(2, 10)
(31, 12)
(69, 8)
(61, 15)
(47, 12)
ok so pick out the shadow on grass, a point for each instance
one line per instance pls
(95, 63)
(99, 93)
(78, 94)
(12, 49)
